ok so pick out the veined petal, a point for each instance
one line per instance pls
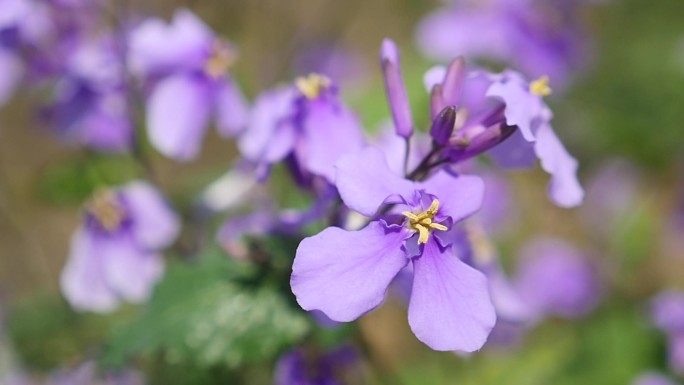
(178, 111)
(82, 281)
(330, 131)
(232, 111)
(154, 224)
(460, 196)
(450, 307)
(345, 274)
(564, 188)
(365, 181)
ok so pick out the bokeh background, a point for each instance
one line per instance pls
(622, 116)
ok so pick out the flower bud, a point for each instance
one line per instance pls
(443, 125)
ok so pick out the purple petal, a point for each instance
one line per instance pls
(177, 115)
(514, 153)
(396, 91)
(460, 196)
(676, 353)
(330, 131)
(450, 307)
(154, 225)
(365, 181)
(522, 108)
(157, 47)
(269, 136)
(82, 281)
(10, 74)
(667, 311)
(345, 274)
(564, 188)
(232, 111)
(130, 271)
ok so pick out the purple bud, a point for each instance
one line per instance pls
(443, 126)
(453, 82)
(436, 101)
(394, 86)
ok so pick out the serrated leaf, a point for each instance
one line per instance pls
(209, 314)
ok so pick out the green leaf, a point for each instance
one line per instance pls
(210, 314)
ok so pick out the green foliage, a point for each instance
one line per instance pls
(211, 313)
(46, 333)
(72, 182)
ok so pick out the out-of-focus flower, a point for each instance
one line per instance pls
(87, 374)
(89, 104)
(306, 123)
(346, 273)
(187, 68)
(303, 367)
(667, 311)
(115, 252)
(536, 37)
(555, 279)
(653, 378)
(340, 63)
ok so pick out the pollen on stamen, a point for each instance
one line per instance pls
(221, 59)
(312, 85)
(422, 222)
(540, 87)
(104, 208)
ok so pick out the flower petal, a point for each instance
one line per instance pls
(460, 196)
(365, 181)
(157, 47)
(177, 116)
(345, 274)
(154, 224)
(450, 306)
(82, 281)
(232, 112)
(130, 271)
(564, 188)
(330, 131)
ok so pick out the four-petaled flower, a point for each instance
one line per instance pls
(345, 274)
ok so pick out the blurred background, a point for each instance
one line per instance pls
(621, 115)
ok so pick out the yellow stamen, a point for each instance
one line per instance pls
(104, 207)
(220, 61)
(422, 223)
(312, 85)
(540, 87)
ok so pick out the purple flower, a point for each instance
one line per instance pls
(513, 125)
(301, 367)
(667, 311)
(346, 273)
(652, 378)
(537, 38)
(187, 66)
(555, 279)
(306, 122)
(89, 104)
(115, 252)
(11, 71)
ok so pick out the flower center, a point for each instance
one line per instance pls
(312, 85)
(540, 87)
(106, 210)
(221, 59)
(422, 222)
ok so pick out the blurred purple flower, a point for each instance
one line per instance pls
(346, 273)
(89, 104)
(555, 279)
(187, 67)
(87, 374)
(115, 253)
(539, 38)
(667, 312)
(306, 122)
(652, 378)
(300, 367)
